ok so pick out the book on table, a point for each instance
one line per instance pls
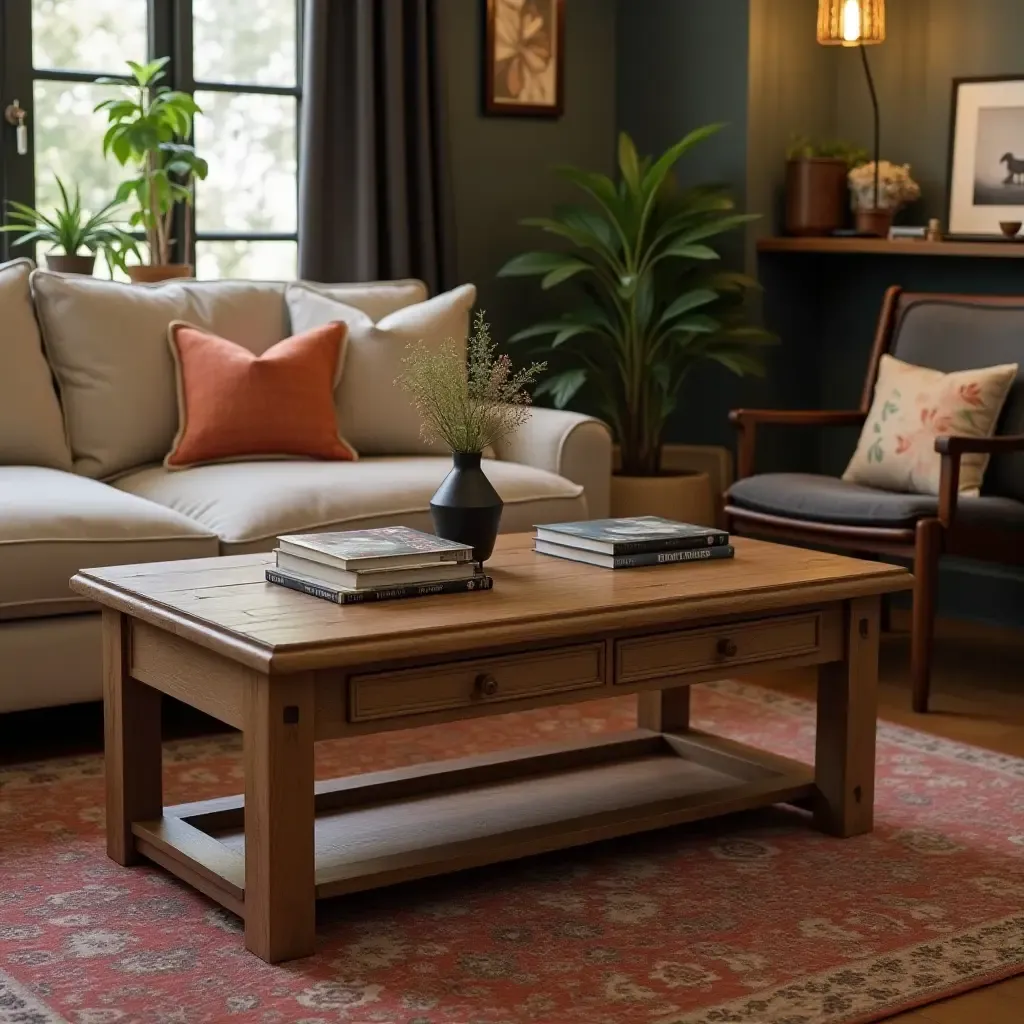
(392, 562)
(632, 542)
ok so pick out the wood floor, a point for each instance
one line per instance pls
(978, 697)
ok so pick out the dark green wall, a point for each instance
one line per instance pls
(501, 166)
(928, 44)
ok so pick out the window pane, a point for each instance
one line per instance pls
(244, 41)
(259, 261)
(249, 142)
(69, 144)
(88, 35)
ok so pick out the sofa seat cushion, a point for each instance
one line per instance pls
(248, 504)
(826, 499)
(52, 524)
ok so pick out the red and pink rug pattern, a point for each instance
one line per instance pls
(755, 919)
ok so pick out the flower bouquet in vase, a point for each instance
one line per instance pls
(469, 401)
(878, 193)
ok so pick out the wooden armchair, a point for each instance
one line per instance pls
(948, 333)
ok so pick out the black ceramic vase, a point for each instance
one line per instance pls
(466, 507)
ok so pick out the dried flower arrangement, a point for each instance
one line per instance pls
(896, 187)
(471, 402)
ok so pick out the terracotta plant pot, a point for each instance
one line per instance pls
(816, 193)
(874, 222)
(683, 496)
(159, 272)
(62, 263)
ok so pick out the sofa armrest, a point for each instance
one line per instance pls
(567, 443)
(952, 448)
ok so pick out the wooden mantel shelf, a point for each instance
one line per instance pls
(900, 247)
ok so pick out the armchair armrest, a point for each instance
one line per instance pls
(952, 448)
(572, 445)
(747, 420)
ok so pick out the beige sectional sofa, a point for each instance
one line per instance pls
(87, 409)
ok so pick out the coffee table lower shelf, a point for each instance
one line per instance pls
(388, 827)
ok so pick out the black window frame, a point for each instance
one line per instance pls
(170, 34)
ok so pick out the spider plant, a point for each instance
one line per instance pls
(649, 308)
(69, 228)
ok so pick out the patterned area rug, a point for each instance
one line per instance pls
(755, 918)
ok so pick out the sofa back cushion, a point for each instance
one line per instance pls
(31, 427)
(107, 344)
(376, 415)
(953, 332)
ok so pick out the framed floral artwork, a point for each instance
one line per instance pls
(524, 57)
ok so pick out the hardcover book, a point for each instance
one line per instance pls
(385, 547)
(306, 585)
(632, 536)
(374, 579)
(702, 554)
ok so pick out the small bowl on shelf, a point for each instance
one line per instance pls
(1010, 228)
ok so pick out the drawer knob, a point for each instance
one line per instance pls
(486, 685)
(727, 648)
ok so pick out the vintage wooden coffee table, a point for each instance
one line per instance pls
(288, 670)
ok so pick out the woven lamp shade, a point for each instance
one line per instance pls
(851, 22)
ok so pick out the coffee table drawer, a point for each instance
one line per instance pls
(696, 650)
(462, 684)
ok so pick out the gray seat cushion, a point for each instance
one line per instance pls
(826, 499)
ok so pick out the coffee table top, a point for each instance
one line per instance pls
(226, 605)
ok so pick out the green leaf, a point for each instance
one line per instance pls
(659, 170)
(563, 273)
(692, 252)
(562, 387)
(538, 331)
(697, 324)
(691, 300)
(731, 280)
(570, 331)
(629, 162)
(600, 188)
(531, 264)
(714, 227)
(741, 363)
(756, 336)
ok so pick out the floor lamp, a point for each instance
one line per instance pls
(858, 23)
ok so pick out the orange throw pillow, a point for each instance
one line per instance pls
(235, 405)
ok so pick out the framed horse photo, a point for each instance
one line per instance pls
(986, 155)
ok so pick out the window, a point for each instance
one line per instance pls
(240, 58)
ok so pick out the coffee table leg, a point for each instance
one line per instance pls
(133, 758)
(664, 710)
(844, 763)
(280, 885)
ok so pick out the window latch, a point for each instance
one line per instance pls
(15, 114)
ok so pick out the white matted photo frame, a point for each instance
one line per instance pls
(986, 155)
(524, 57)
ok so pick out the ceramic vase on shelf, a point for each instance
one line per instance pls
(815, 195)
(874, 222)
(145, 274)
(466, 508)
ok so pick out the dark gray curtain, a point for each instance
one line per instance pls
(372, 189)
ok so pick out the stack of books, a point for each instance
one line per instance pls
(375, 565)
(626, 543)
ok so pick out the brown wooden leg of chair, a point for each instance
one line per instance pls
(927, 546)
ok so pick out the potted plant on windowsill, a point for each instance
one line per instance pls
(147, 128)
(816, 184)
(68, 229)
(469, 402)
(650, 308)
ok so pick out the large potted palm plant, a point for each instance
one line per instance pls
(650, 306)
(148, 128)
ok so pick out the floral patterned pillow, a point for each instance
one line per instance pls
(913, 405)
